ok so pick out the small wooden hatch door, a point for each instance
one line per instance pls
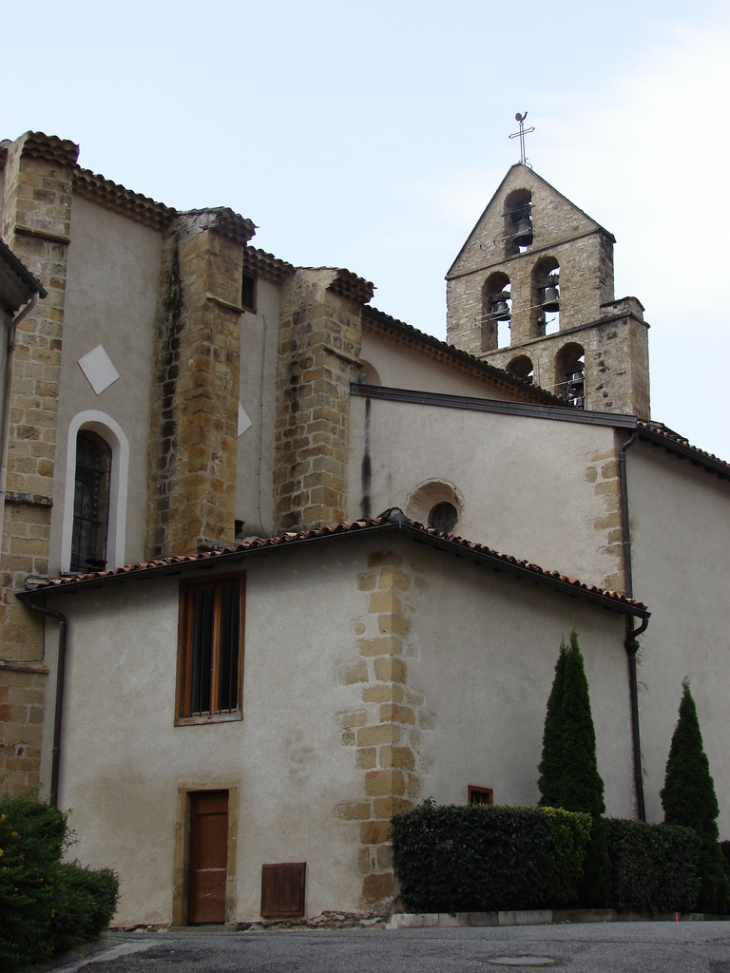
(208, 857)
(282, 889)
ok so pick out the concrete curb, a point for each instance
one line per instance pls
(534, 917)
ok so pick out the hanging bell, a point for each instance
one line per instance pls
(501, 310)
(523, 235)
(550, 299)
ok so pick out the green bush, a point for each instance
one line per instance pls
(46, 906)
(688, 798)
(485, 859)
(569, 776)
(654, 867)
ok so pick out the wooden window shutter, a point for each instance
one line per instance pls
(282, 890)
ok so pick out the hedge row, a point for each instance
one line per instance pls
(654, 867)
(487, 859)
(483, 859)
(47, 907)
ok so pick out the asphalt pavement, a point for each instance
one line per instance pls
(620, 947)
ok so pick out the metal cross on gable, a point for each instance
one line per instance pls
(521, 135)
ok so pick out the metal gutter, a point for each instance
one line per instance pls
(60, 683)
(469, 403)
(631, 640)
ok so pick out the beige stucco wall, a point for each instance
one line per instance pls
(124, 760)
(399, 366)
(259, 344)
(680, 524)
(482, 651)
(479, 649)
(530, 487)
(111, 296)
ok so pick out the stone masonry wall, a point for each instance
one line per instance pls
(36, 214)
(385, 733)
(612, 333)
(319, 345)
(616, 360)
(193, 436)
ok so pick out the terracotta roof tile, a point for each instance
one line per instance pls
(392, 519)
(674, 442)
(266, 265)
(407, 334)
(113, 196)
(350, 285)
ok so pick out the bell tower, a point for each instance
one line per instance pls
(532, 292)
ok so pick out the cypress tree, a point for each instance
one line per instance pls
(569, 776)
(551, 763)
(569, 770)
(688, 798)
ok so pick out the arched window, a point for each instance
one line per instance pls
(570, 375)
(517, 221)
(496, 312)
(546, 297)
(91, 502)
(436, 504)
(521, 367)
(443, 517)
(97, 473)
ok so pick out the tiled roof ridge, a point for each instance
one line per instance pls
(440, 347)
(393, 517)
(224, 220)
(114, 196)
(38, 145)
(659, 429)
(266, 264)
(348, 284)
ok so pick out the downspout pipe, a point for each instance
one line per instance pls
(631, 643)
(60, 681)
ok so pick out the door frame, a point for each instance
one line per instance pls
(182, 848)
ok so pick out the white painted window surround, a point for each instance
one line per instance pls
(113, 434)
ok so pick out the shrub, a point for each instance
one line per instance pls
(688, 798)
(483, 859)
(569, 777)
(654, 867)
(46, 907)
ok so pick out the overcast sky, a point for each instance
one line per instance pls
(371, 135)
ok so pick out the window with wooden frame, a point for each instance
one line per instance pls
(210, 650)
(480, 795)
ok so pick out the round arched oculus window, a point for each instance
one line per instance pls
(443, 517)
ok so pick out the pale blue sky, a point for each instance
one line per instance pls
(371, 135)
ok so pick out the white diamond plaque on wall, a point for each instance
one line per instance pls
(243, 420)
(98, 368)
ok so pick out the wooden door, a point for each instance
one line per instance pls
(208, 857)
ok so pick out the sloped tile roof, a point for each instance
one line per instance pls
(391, 327)
(392, 520)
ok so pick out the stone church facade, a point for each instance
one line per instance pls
(322, 559)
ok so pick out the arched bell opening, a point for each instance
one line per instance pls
(496, 312)
(518, 221)
(521, 367)
(546, 297)
(570, 375)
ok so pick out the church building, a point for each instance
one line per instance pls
(276, 565)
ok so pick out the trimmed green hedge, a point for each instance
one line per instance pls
(654, 867)
(485, 859)
(47, 907)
